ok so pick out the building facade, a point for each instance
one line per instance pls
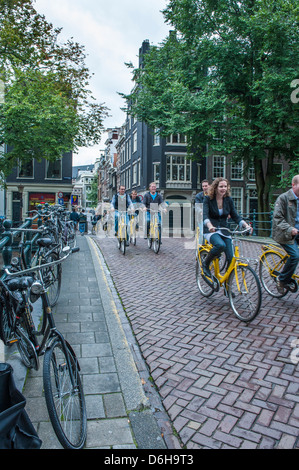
(34, 183)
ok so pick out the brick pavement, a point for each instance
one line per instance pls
(223, 383)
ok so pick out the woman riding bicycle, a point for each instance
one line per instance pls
(217, 207)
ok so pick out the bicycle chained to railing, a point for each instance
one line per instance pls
(61, 370)
(47, 251)
(56, 221)
(271, 264)
(240, 283)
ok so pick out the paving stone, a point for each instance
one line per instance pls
(195, 345)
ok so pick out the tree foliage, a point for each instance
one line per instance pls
(223, 77)
(47, 107)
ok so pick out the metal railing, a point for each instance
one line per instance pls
(261, 223)
(9, 238)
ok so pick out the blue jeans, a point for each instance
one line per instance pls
(291, 263)
(221, 244)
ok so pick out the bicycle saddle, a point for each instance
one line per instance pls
(44, 242)
(20, 283)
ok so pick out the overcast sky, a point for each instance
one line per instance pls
(112, 33)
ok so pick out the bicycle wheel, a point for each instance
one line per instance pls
(52, 278)
(123, 246)
(149, 242)
(204, 288)
(7, 317)
(64, 395)
(244, 292)
(270, 266)
(26, 348)
(156, 241)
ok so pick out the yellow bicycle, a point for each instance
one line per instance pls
(154, 238)
(271, 263)
(133, 222)
(240, 282)
(122, 231)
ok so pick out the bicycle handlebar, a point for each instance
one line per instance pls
(42, 266)
(235, 232)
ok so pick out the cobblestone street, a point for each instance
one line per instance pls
(223, 383)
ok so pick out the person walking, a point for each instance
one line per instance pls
(74, 216)
(82, 222)
(285, 231)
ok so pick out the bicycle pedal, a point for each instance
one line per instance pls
(37, 333)
(208, 281)
(12, 341)
(216, 284)
(292, 286)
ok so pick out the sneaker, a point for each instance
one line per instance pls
(280, 286)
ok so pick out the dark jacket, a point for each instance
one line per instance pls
(123, 206)
(199, 197)
(285, 212)
(211, 212)
(148, 200)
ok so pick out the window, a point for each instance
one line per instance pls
(25, 169)
(156, 173)
(175, 139)
(134, 141)
(156, 136)
(178, 168)
(53, 169)
(237, 170)
(218, 166)
(135, 173)
(237, 196)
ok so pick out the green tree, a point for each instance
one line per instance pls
(224, 77)
(47, 107)
(92, 195)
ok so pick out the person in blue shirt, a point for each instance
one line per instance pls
(152, 197)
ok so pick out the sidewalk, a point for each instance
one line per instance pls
(124, 410)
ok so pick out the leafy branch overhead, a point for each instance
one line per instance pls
(223, 77)
(47, 108)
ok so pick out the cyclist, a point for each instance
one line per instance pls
(205, 190)
(152, 197)
(217, 207)
(285, 231)
(121, 202)
(136, 200)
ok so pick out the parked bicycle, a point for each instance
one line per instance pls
(271, 263)
(240, 283)
(61, 370)
(47, 250)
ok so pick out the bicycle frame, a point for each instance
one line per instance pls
(122, 226)
(237, 260)
(279, 251)
(49, 329)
